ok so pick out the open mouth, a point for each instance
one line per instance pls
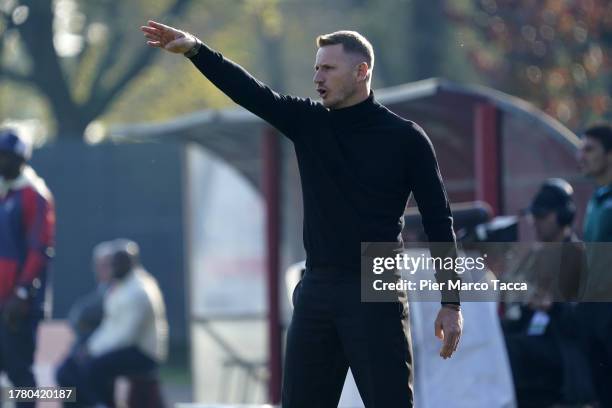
(322, 92)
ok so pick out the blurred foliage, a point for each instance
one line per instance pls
(77, 62)
(72, 63)
(554, 53)
(78, 56)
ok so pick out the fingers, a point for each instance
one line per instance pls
(150, 31)
(445, 351)
(450, 344)
(448, 328)
(152, 37)
(451, 341)
(159, 26)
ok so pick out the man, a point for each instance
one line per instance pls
(27, 223)
(132, 338)
(86, 315)
(548, 365)
(595, 159)
(358, 164)
(561, 267)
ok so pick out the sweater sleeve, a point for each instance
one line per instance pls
(432, 201)
(281, 111)
(122, 323)
(39, 223)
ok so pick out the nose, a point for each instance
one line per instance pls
(317, 78)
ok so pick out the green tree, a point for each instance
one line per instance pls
(78, 56)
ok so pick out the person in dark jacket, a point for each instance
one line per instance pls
(27, 230)
(595, 160)
(358, 163)
(548, 362)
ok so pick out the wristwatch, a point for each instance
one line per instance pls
(454, 306)
(194, 50)
(22, 293)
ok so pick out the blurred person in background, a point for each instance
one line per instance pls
(27, 228)
(359, 164)
(132, 338)
(595, 311)
(549, 365)
(553, 211)
(86, 315)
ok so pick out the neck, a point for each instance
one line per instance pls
(359, 96)
(604, 179)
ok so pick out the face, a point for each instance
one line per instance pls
(592, 158)
(338, 76)
(547, 228)
(10, 165)
(103, 267)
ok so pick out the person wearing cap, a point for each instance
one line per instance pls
(27, 228)
(595, 161)
(555, 267)
(553, 211)
(548, 363)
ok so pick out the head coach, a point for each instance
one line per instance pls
(358, 163)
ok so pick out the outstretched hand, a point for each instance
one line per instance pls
(168, 38)
(448, 327)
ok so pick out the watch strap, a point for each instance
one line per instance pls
(194, 50)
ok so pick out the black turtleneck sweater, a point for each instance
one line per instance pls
(358, 166)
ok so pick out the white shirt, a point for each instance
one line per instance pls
(134, 315)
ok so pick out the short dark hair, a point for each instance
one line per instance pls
(602, 133)
(352, 42)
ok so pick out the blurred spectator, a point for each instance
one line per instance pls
(553, 211)
(548, 364)
(27, 224)
(595, 159)
(132, 338)
(595, 312)
(86, 314)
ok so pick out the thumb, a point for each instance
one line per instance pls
(439, 332)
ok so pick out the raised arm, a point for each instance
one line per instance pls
(280, 111)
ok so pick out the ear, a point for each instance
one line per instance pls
(362, 71)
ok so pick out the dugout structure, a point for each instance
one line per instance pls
(491, 147)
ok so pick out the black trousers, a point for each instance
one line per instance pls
(332, 330)
(94, 378)
(17, 346)
(596, 329)
(537, 369)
